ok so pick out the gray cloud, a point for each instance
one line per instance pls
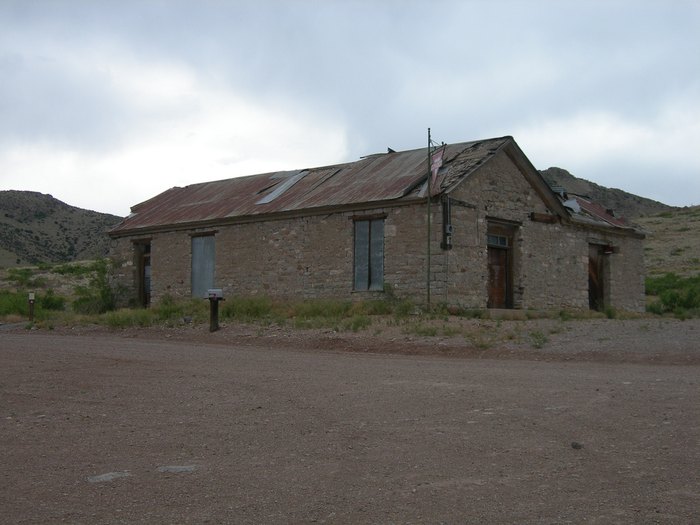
(382, 72)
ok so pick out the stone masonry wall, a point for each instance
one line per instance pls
(550, 267)
(303, 257)
(121, 252)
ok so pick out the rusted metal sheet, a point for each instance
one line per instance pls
(376, 178)
(598, 212)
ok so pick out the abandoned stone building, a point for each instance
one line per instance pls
(499, 236)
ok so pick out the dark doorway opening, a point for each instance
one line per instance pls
(596, 277)
(143, 265)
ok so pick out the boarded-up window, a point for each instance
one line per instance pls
(202, 265)
(369, 254)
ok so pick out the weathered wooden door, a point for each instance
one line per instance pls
(596, 282)
(143, 261)
(498, 278)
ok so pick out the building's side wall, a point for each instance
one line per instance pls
(124, 270)
(626, 274)
(302, 257)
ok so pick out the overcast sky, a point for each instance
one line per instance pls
(104, 104)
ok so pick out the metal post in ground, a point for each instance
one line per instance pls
(31, 307)
(215, 295)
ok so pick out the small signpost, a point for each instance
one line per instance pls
(215, 295)
(31, 307)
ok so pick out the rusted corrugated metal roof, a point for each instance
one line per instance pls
(377, 178)
(599, 213)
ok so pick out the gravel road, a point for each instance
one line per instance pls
(162, 428)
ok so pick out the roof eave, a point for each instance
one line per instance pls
(245, 219)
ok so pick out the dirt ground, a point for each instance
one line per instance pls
(594, 421)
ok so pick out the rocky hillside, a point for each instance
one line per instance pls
(673, 242)
(37, 228)
(622, 203)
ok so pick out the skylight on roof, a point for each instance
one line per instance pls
(282, 187)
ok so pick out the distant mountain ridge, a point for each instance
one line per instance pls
(37, 228)
(623, 204)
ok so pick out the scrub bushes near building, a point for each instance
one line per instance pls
(99, 296)
(247, 308)
(17, 304)
(13, 303)
(125, 318)
(674, 294)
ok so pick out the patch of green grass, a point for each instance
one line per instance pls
(356, 323)
(445, 310)
(51, 301)
(675, 294)
(98, 296)
(247, 308)
(480, 340)
(129, 318)
(403, 309)
(17, 303)
(451, 331)
(79, 269)
(321, 308)
(565, 315)
(170, 310)
(24, 278)
(13, 303)
(423, 330)
(375, 307)
(538, 339)
(610, 312)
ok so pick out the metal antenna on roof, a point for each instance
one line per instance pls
(427, 281)
(434, 163)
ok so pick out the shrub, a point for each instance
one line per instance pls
(17, 303)
(404, 308)
(51, 301)
(322, 308)
(675, 294)
(167, 308)
(375, 307)
(656, 307)
(78, 269)
(450, 331)
(258, 307)
(357, 323)
(24, 278)
(13, 303)
(88, 305)
(423, 330)
(126, 318)
(538, 339)
(479, 339)
(98, 297)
